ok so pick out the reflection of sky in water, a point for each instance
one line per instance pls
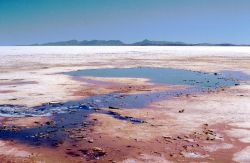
(198, 81)
(160, 75)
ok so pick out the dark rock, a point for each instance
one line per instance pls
(91, 141)
(111, 107)
(181, 111)
(73, 154)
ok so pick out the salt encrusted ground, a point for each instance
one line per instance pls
(214, 127)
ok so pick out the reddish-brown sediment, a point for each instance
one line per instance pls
(17, 82)
(167, 135)
(99, 86)
(7, 91)
(24, 121)
(181, 147)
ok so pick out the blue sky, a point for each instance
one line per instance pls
(192, 21)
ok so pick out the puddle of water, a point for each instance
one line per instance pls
(238, 75)
(160, 76)
(200, 82)
(50, 134)
(94, 103)
(73, 114)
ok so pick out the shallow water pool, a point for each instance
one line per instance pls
(160, 76)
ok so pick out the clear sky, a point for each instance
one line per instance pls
(192, 21)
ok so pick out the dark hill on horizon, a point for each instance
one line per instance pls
(145, 42)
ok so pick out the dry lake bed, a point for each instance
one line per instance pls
(124, 104)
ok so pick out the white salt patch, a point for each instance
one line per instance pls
(8, 150)
(145, 158)
(242, 134)
(215, 147)
(193, 155)
(1, 143)
(126, 50)
(129, 161)
(243, 156)
(241, 124)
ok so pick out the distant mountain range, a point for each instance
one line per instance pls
(120, 43)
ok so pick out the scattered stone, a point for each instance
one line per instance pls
(54, 103)
(49, 122)
(84, 151)
(73, 154)
(181, 111)
(91, 141)
(111, 107)
(98, 152)
(94, 153)
(55, 144)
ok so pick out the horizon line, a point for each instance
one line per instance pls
(166, 43)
